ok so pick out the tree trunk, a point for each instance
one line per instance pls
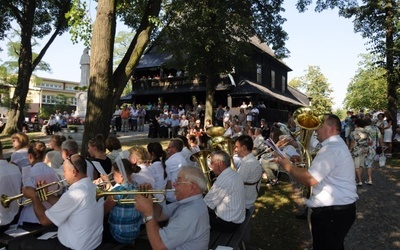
(16, 114)
(392, 77)
(100, 94)
(106, 88)
(210, 91)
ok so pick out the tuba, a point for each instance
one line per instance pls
(219, 142)
(308, 120)
(201, 158)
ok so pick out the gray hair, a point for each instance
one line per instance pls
(71, 146)
(195, 175)
(222, 156)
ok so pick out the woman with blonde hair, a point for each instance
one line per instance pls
(20, 142)
(140, 157)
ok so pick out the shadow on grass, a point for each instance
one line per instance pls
(274, 222)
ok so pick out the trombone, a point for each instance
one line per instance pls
(101, 193)
(41, 193)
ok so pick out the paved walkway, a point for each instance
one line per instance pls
(377, 224)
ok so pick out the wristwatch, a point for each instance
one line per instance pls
(147, 218)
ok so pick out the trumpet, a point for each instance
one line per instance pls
(101, 193)
(41, 193)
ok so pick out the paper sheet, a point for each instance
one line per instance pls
(49, 235)
(16, 232)
(273, 146)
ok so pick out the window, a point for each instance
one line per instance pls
(69, 87)
(283, 83)
(51, 86)
(272, 79)
(259, 73)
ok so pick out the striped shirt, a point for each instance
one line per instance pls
(226, 197)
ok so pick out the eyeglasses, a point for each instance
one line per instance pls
(70, 160)
(182, 182)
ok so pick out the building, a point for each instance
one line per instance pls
(46, 92)
(264, 81)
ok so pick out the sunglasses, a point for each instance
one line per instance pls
(70, 160)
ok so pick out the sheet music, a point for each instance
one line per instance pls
(49, 235)
(15, 232)
(273, 146)
(98, 167)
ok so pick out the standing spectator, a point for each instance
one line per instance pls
(264, 128)
(164, 124)
(332, 177)
(255, 112)
(242, 117)
(250, 169)
(227, 115)
(388, 134)
(141, 117)
(225, 200)
(19, 157)
(10, 185)
(125, 114)
(183, 125)
(249, 117)
(134, 117)
(359, 147)
(375, 138)
(117, 118)
(219, 116)
(348, 127)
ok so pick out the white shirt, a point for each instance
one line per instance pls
(78, 216)
(174, 163)
(226, 197)
(20, 158)
(10, 185)
(333, 168)
(251, 171)
(144, 176)
(159, 181)
(55, 159)
(258, 142)
(39, 172)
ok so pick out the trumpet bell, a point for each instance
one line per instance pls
(307, 118)
(201, 158)
(215, 131)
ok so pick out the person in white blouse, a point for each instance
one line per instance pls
(10, 185)
(140, 157)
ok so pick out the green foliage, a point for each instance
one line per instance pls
(80, 22)
(368, 88)
(317, 88)
(209, 36)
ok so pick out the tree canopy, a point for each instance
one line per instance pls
(35, 20)
(367, 89)
(316, 86)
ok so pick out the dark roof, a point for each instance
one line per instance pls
(153, 58)
(246, 87)
(299, 95)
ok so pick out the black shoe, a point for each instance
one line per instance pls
(302, 216)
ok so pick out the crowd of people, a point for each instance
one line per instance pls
(334, 174)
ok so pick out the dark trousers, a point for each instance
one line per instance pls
(330, 227)
(33, 243)
(218, 224)
(118, 122)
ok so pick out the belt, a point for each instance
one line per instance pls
(333, 208)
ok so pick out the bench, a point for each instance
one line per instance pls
(235, 238)
(12, 243)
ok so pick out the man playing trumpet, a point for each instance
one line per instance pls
(76, 213)
(188, 222)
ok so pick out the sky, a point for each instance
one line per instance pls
(317, 39)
